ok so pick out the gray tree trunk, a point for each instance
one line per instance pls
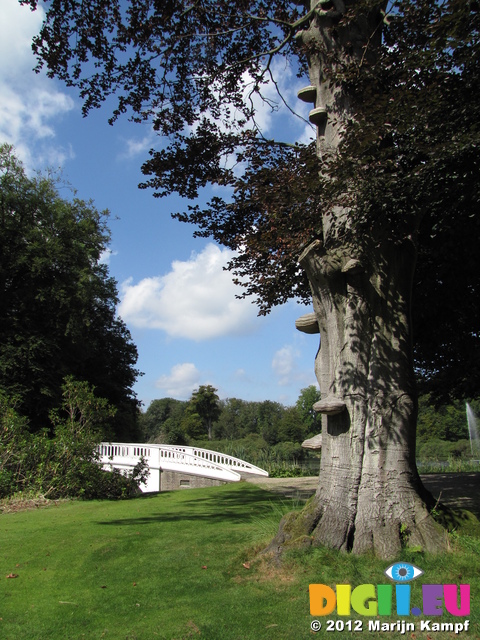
(369, 495)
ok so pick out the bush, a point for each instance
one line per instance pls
(284, 469)
(66, 465)
(441, 450)
(17, 455)
(283, 460)
(288, 451)
(434, 449)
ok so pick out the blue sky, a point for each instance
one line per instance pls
(176, 300)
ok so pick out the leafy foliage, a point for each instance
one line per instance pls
(446, 422)
(15, 459)
(57, 301)
(162, 422)
(240, 418)
(413, 154)
(67, 464)
(442, 431)
(311, 419)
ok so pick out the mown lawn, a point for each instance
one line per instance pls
(171, 566)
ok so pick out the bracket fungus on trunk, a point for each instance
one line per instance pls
(318, 117)
(330, 406)
(307, 324)
(308, 94)
(314, 443)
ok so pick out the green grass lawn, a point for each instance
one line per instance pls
(171, 566)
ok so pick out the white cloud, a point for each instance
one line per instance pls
(272, 102)
(270, 108)
(284, 364)
(286, 368)
(136, 146)
(106, 255)
(181, 381)
(17, 26)
(308, 135)
(195, 300)
(29, 102)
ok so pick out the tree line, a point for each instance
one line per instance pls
(171, 421)
(442, 430)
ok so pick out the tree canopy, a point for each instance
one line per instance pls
(407, 165)
(57, 301)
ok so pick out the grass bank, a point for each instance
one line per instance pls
(179, 566)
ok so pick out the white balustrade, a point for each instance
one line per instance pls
(218, 458)
(190, 460)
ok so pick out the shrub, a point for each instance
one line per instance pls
(66, 465)
(17, 456)
(289, 451)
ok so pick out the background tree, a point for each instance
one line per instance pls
(57, 301)
(396, 108)
(232, 422)
(306, 400)
(291, 427)
(444, 422)
(204, 403)
(269, 415)
(192, 424)
(238, 418)
(161, 422)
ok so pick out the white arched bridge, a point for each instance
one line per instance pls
(176, 459)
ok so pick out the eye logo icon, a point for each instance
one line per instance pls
(403, 572)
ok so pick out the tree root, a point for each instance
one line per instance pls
(305, 528)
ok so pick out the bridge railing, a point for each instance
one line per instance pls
(158, 455)
(220, 458)
(192, 460)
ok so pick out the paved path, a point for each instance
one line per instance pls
(454, 489)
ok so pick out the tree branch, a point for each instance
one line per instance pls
(293, 29)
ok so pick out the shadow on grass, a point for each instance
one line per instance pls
(456, 491)
(227, 505)
(460, 520)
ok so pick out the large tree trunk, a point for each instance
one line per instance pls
(369, 495)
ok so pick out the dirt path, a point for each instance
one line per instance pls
(459, 490)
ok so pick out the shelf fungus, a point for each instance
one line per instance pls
(307, 324)
(314, 443)
(318, 116)
(308, 94)
(331, 406)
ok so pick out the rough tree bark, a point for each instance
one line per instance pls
(369, 496)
